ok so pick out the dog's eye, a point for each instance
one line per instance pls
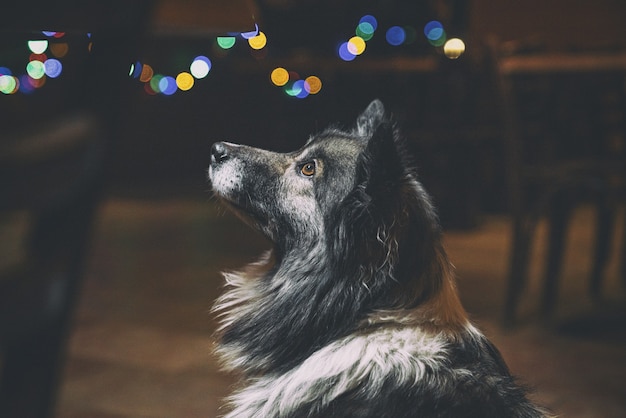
(308, 169)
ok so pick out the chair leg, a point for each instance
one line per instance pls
(623, 257)
(559, 217)
(30, 376)
(518, 268)
(604, 225)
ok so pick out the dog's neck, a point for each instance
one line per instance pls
(294, 304)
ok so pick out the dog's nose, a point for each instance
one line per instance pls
(219, 153)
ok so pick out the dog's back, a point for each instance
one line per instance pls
(355, 312)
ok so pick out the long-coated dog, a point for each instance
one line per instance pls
(354, 312)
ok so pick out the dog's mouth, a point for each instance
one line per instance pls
(244, 211)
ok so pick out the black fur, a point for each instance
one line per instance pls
(361, 265)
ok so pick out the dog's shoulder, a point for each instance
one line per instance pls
(391, 371)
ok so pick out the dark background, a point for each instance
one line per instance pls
(160, 144)
(111, 246)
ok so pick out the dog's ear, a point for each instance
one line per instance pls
(385, 161)
(370, 119)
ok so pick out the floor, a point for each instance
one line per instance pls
(141, 343)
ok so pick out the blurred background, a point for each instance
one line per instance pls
(111, 245)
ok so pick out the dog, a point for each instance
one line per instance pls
(354, 312)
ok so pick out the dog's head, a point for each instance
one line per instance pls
(286, 195)
(291, 196)
(353, 192)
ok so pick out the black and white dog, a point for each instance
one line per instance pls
(354, 313)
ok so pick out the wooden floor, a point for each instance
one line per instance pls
(141, 346)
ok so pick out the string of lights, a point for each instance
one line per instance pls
(41, 66)
(43, 63)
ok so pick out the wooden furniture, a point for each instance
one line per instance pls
(53, 154)
(51, 176)
(564, 128)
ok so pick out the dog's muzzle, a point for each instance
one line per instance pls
(225, 172)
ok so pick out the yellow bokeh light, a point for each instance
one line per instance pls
(453, 48)
(313, 84)
(184, 81)
(258, 42)
(146, 73)
(279, 76)
(356, 45)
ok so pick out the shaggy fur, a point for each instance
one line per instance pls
(354, 313)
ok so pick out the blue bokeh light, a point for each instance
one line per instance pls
(433, 30)
(167, 85)
(300, 87)
(344, 52)
(395, 35)
(251, 34)
(53, 67)
(371, 20)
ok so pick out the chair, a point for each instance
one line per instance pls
(53, 176)
(563, 118)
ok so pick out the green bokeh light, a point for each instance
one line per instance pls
(35, 69)
(226, 42)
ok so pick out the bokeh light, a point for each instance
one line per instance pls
(148, 89)
(371, 20)
(135, 70)
(167, 85)
(344, 52)
(300, 85)
(35, 69)
(251, 34)
(226, 42)
(43, 63)
(146, 73)
(37, 57)
(8, 84)
(435, 33)
(155, 83)
(395, 35)
(356, 45)
(27, 85)
(454, 48)
(53, 67)
(200, 67)
(439, 42)
(185, 81)
(59, 50)
(433, 30)
(279, 76)
(295, 88)
(365, 30)
(38, 46)
(258, 42)
(313, 84)
(26, 81)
